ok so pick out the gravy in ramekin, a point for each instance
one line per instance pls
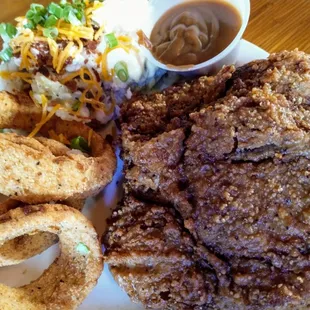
(194, 32)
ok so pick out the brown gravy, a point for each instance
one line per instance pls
(194, 31)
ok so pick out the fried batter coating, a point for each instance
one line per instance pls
(24, 247)
(39, 170)
(34, 172)
(235, 170)
(67, 282)
(151, 257)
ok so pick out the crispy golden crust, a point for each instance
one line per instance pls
(19, 111)
(66, 283)
(34, 173)
(10, 204)
(27, 246)
(151, 257)
(237, 171)
(42, 170)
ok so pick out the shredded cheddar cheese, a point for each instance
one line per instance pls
(54, 50)
(44, 120)
(25, 63)
(66, 41)
(99, 33)
(90, 135)
(8, 75)
(90, 8)
(63, 56)
(44, 103)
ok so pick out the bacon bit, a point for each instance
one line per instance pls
(72, 85)
(91, 46)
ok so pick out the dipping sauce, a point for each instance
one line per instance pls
(194, 31)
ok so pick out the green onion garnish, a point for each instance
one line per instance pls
(69, 16)
(51, 33)
(37, 7)
(6, 54)
(82, 249)
(111, 40)
(11, 30)
(121, 71)
(51, 21)
(38, 19)
(7, 31)
(55, 9)
(36, 14)
(76, 105)
(71, 12)
(79, 143)
(30, 14)
(30, 25)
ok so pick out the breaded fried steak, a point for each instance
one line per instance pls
(232, 175)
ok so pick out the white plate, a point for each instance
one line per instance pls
(107, 294)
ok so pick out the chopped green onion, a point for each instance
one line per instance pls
(79, 15)
(30, 15)
(82, 249)
(50, 21)
(36, 14)
(76, 106)
(2, 28)
(6, 54)
(69, 16)
(11, 30)
(30, 25)
(121, 71)
(55, 9)
(111, 40)
(2, 130)
(79, 143)
(7, 31)
(36, 7)
(5, 37)
(73, 19)
(51, 33)
(37, 19)
(63, 2)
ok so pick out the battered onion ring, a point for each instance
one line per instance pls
(41, 170)
(24, 247)
(67, 282)
(10, 204)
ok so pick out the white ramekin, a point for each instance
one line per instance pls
(227, 56)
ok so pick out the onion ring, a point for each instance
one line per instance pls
(40, 170)
(67, 282)
(24, 247)
(10, 204)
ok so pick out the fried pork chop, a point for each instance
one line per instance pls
(234, 172)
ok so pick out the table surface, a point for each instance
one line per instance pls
(274, 24)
